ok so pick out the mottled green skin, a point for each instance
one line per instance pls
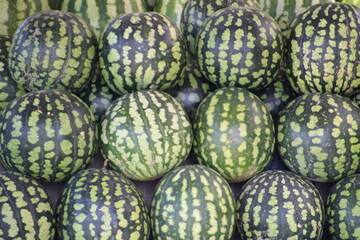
(55, 4)
(47, 134)
(101, 204)
(172, 9)
(234, 134)
(323, 50)
(280, 205)
(25, 208)
(53, 50)
(14, 12)
(100, 12)
(197, 11)
(192, 88)
(240, 47)
(142, 51)
(193, 202)
(343, 209)
(319, 138)
(285, 11)
(145, 134)
(355, 2)
(9, 89)
(277, 95)
(98, 96)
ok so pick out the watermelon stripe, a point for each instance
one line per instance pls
(171, 8)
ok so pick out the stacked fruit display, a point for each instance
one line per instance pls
(198, 120)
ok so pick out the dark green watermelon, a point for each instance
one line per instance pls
(53, 50)
(145, 134)
(98, 96)
(9, 89)
(191, 89)
(234, 133)
(280, 205)
(197, 11)
(26, 210)
(193, 202)
(323, 50)
(141, 51)
(102, 204)
(47, 134)
(319, 137)
(172, 9)
(343, 208)
(240, 47)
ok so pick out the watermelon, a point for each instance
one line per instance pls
(240, 47)
(197, 11)
(53, 50)
(354, 2)
(193, 202)
(318, 136)
(14, 12)
(141, 51)
(47, 134)
(101, 204)
(98, 96)
(9, 89)
(277, 95)
(145, 134)
(151, 4)
(100, 12)
(323, 50)
(55, 4)
(343, 208)
(191, 89)
(280, 205)
(285, 11)
(172, 9)
(234, 133)
(26, 210)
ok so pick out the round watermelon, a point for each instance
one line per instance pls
(26, 210)
(100, 12)
(240, 47)
(101, 204)
(9, 89)
(197, 11)
(47, 134)
(14, 12)
(141, 51)
(323, 50)
(280, 205)
(145, 134)
(193, 202)
(319, 138)
(53, 50)
(343, 208)
(234, 134)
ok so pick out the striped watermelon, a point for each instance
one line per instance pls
(47, 134)
(172, 9)
(53, 50)
(145, 134)
(100, 12)
(324, 48)
(26, 211)
(234, 134)
(193, 202)
(9, 89)
(98, 96)
(355, 2)
(101, 204)
(240, 47)
(197, 11)
(141, 51)
(285, 11)
(192, 88)
(14, 12)
(55, 4)
(343, 208)
(280, 205)
(319, 137)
